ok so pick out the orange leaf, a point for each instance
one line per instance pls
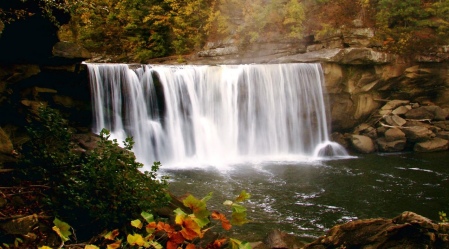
(112, 235)
(221, 217)
(115, 245)
(176, 238)
(190, 246)
(219, 243)
(171, 245)
(190, 229)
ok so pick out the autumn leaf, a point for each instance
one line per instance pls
(237, 244)
(91, 247)
(44, 247)
(190, 229)
(243, 196)
(151, 227)
(218, 243)
(198, 207)
(239, 218)
(137, 223)
(135, 239)
(114, 245)
(62, 229)
(112, 235)
(190, 246)
(221, 217)
(155, 245)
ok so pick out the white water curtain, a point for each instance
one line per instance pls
(210, 115)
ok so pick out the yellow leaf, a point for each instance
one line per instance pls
(137, 223)
(135, 239)
(91, 247)
(44, 247)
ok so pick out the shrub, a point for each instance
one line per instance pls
(102, 189)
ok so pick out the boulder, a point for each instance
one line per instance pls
(408, 230)
(401, 110)
(426, 112)
(70, 50)
(279, 239)
(433, 145)
(362, 144)
(443, 134)
(442, 124)
(366, 130)
(6, 146)
(418, 133)
(393, 104)
(391, 146)
(20, 226)
(395, 120)
(394, 134)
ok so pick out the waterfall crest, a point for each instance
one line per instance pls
(210, 115)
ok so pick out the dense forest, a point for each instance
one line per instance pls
(144, 29)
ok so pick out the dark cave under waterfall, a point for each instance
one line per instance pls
(213, 115)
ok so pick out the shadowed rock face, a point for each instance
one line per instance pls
(29, 39)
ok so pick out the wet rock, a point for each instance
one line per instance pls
(418, 133)
(433, 145)
(362, 144)
(408, 230)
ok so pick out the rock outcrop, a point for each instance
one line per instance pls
(408, 230)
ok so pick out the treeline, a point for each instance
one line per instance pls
(143, 29)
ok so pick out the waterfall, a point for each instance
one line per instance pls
(211, 115)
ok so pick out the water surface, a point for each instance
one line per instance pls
(307, 198)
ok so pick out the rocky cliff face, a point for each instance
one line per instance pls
(37, 70)
(360, 80)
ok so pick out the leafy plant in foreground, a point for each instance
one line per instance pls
(101, 189)
(186, 231)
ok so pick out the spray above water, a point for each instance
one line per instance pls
(214, 115)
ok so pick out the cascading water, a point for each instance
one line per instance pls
(214, 115)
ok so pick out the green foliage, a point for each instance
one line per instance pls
(411, 27)
(105, 186)
(443, 216)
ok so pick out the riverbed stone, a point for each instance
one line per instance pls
(433, 145)
(362, 144)
(418, 133)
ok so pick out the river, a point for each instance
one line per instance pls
(307, 198)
